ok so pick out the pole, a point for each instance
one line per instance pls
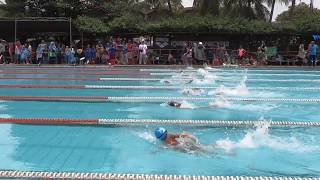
(15, 30)
(70, 31)
(82, 40)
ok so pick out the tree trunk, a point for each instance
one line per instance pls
(169, 6)
(293, 4)
(272, 9)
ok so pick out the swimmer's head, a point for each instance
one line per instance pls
(171, 103)
(161, 133)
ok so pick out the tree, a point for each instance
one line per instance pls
(207, 6)
(302, 19)
(271, 3)
(250, 9)
(293, 4)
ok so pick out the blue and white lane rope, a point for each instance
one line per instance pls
(112, 176)
(230, 70)
(233, 74)
(145, 99)
(213, 123)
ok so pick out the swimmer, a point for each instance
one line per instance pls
(174, 139)
(174, 104)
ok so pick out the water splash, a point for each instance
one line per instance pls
(260, 137)
(221, 102)
(148, 136)
(240, 90)
(192, 92)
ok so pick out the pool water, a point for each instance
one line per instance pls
(229, 151)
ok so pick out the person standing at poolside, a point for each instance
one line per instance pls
(313, 48)
(143, 53)
(241, 54)
(17, 52)
(124, 55)
(2, 51)
(39, 54)
(130, 47)
(302, 55)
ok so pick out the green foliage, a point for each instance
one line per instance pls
(302, 19)
(207, 24)
(163, 16)
(90, 24)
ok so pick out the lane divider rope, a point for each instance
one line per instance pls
(249, 74)
(81, 73)
(85, 79)
(146, 87)
(213, 123)
(227, 70)
(147, 98)
(150, 79)
(79, 175)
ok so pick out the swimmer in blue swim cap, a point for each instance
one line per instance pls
(172, 139)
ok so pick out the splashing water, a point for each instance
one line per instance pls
(240, 90)
(187, 105)
(192, 92)
(260, 137)
(221, 102)
(148, 136)
(202, 77)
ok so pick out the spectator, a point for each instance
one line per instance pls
(264, 52)
(302, 54)
(67, 55)
(99, 53)
(171, 58)
(25, 54)
(11, 52)
(124, 55)
(200, 55)
(80, 57)
(143, 53)
(187, 56)
(112, 54)
(260, 56)
(241, 54)
(313, 48)
(17, 52)
(130, 51)
(2, 51)
(72, 56)
(52, 52)
(39, 55)
(87, 54)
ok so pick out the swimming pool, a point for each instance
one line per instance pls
(263, 150)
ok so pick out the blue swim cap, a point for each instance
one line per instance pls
(161, 133)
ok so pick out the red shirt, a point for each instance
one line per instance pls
(241, 52)
(130, 47)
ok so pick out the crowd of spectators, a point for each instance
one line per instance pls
(129, 52)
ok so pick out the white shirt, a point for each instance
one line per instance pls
(143, 48)
(2, 48)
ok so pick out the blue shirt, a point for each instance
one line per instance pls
(125, 50)
(313, 50)
(112, 51)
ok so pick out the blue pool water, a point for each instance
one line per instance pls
(251, 151)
